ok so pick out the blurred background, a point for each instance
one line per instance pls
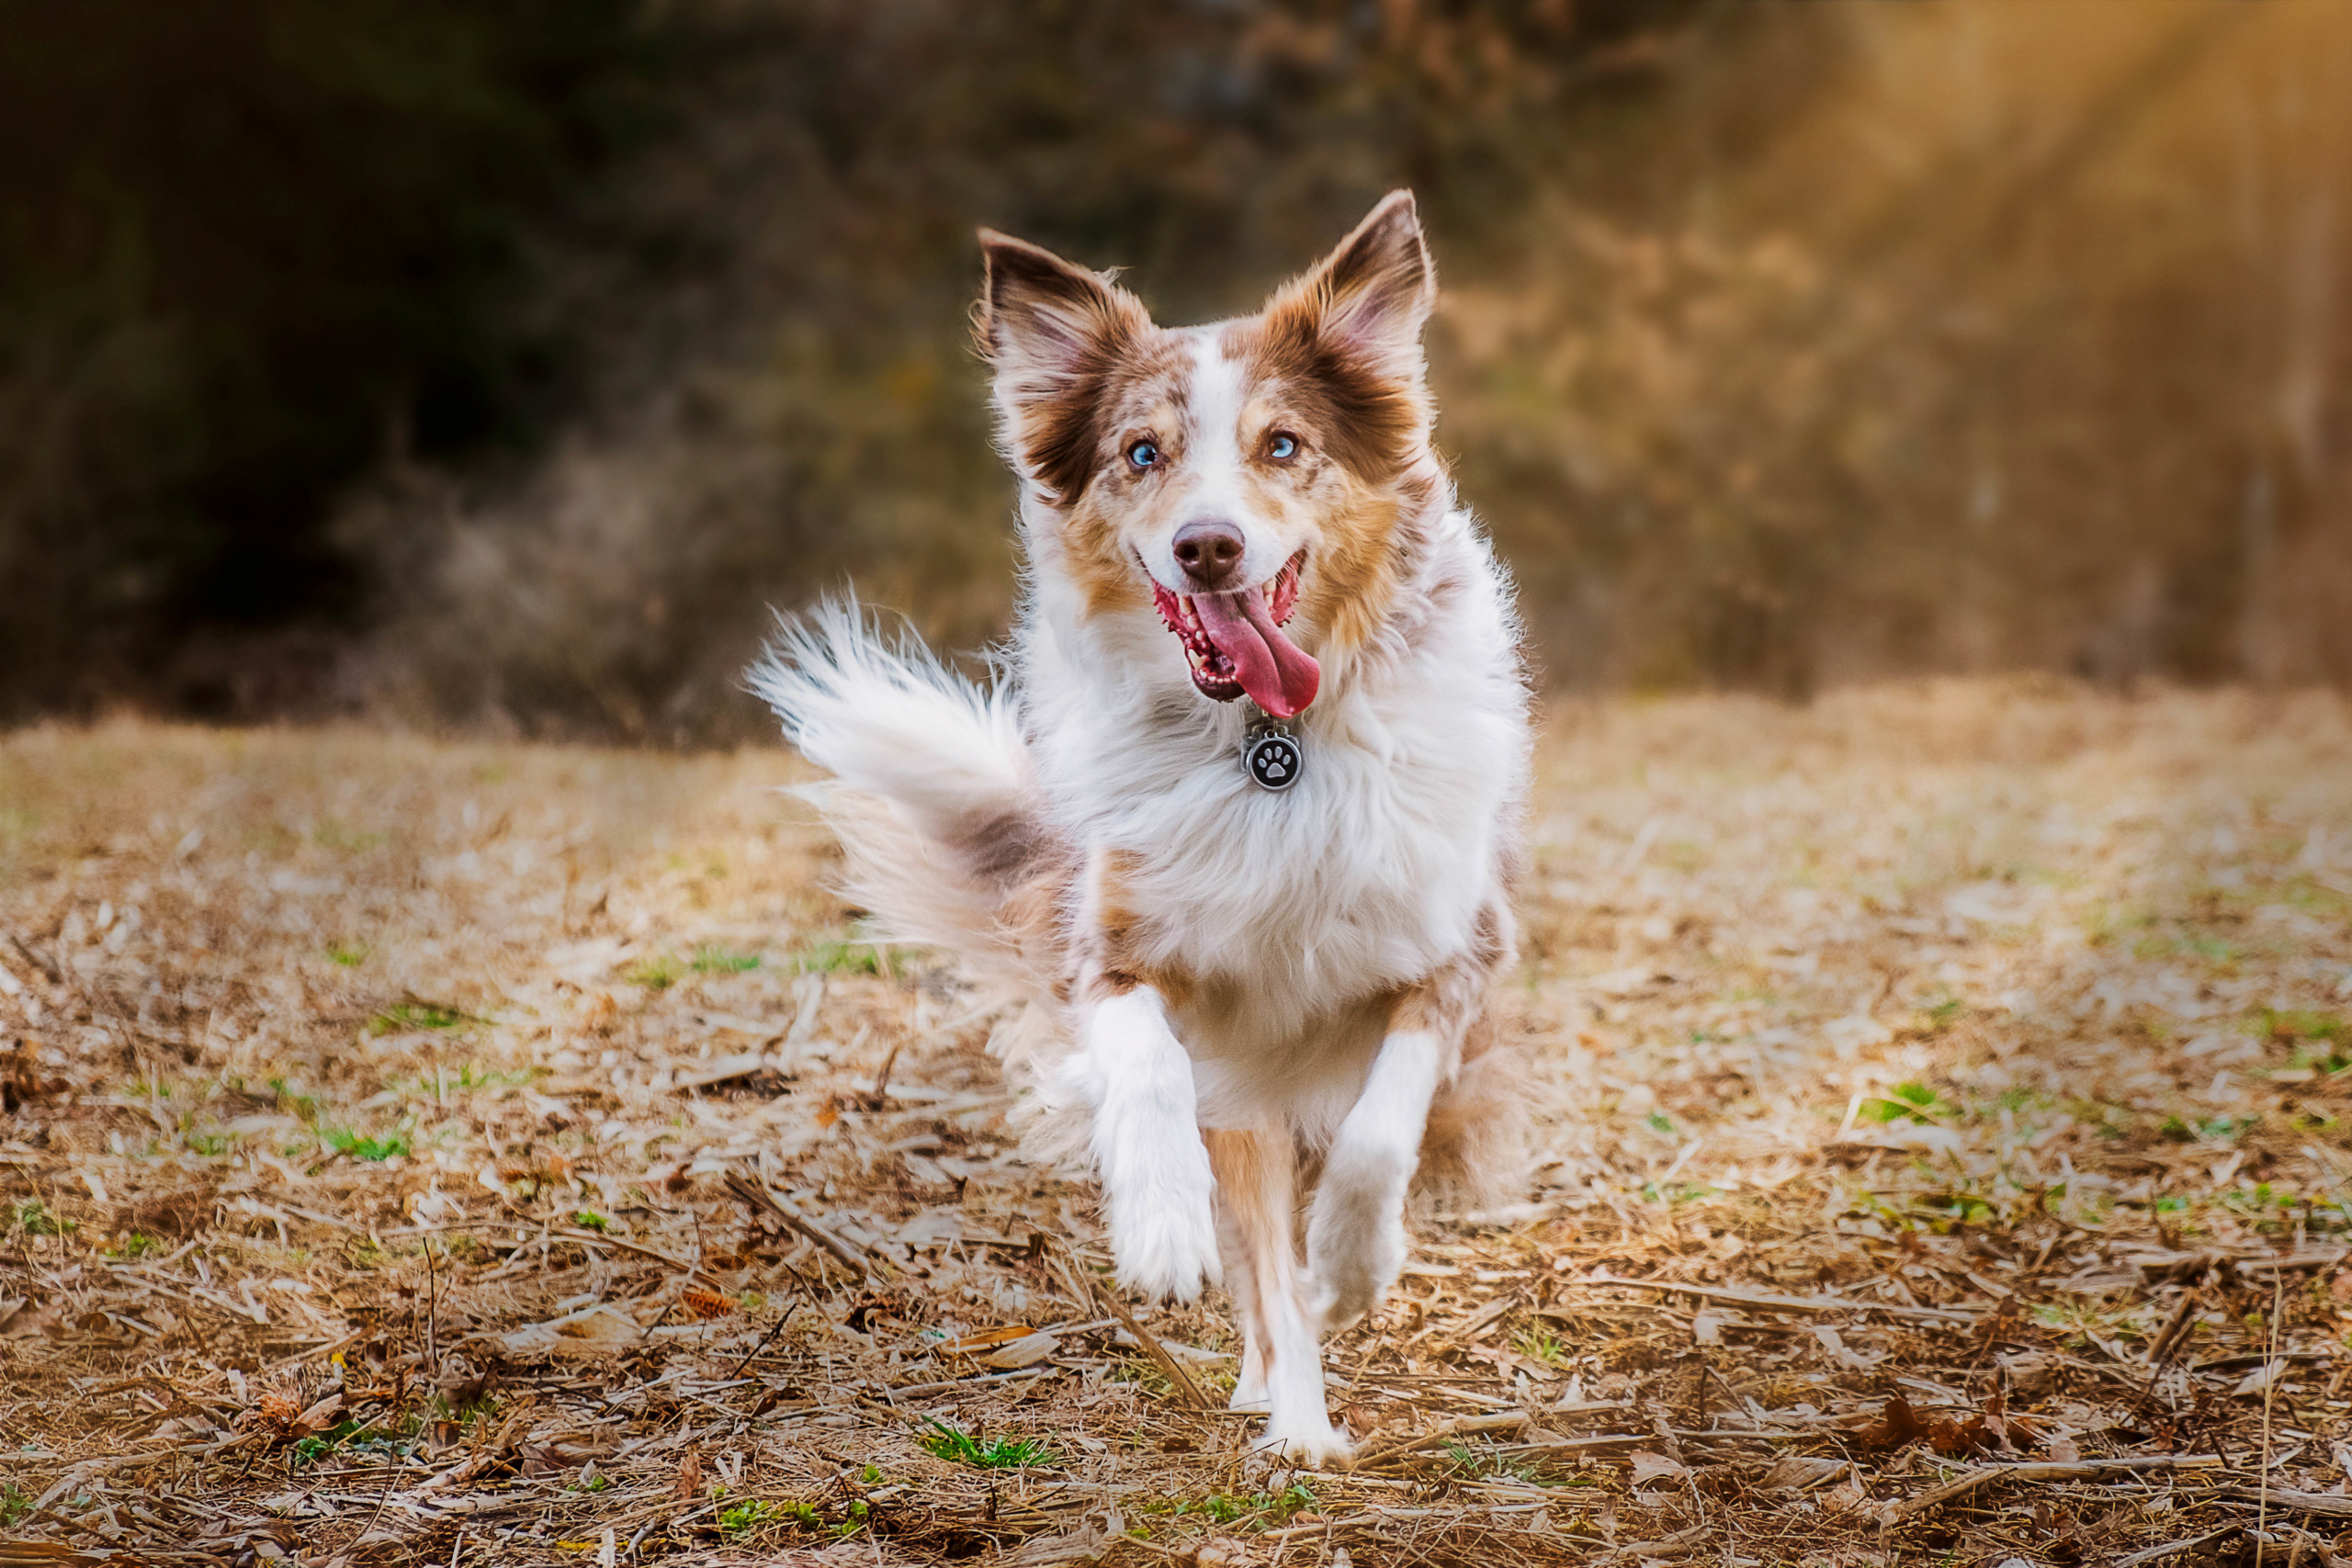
(494, 367)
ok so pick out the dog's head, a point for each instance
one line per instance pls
(1248, 478)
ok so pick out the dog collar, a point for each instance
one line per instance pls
(1271, 754)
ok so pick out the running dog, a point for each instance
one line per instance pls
(1238, 819)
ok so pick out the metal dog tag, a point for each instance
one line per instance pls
(1272, 756)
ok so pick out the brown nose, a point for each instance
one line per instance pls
(1209, 552)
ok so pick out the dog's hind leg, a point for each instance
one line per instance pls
(1282, 1365)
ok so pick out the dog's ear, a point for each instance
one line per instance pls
(1052, 330)
(1374, 293)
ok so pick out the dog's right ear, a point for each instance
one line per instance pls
(1051, 329)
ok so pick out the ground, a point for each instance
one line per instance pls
(452, 1153)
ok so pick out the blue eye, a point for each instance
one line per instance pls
(1143, 454)
(1281, 446)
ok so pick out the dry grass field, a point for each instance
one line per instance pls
(417, 1152)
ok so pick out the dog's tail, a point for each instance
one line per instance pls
(931, 795)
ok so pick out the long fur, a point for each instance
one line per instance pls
(1225, 986)
(931, 795)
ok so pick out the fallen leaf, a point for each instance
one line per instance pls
(1649, 1467)
(2261, 1378)
(981, 1339)
(1897, 1424)
(1026, 1351)
(22, 1320)
(703, 1305)
(592, 1331)
(1799, 1473)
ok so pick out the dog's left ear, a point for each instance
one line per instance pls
(1374, 293)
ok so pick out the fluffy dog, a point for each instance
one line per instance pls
(1240, 819)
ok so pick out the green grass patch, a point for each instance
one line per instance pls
(959, 1447)
(1264, 1510)
(359, 1439)
(349, 954)
(15, 1505)
(1483, 1464)
(657, 974)
(2187, 943)
(411, 1015)
(1674, 1192)
(292, 1100)
(1907, 1102)
(2307, 1024)
(1954, 1210)
(2207, 1129)
(137, 1244)
(366, 1146)
(330, 834)
(712, 959)
(36, 1218)
(473, 1076)
(853, 957)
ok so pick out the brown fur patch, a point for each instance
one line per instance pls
(1334, 360)
(1058, 336)
(1108, 957)
(1372, 423)
(1257, 1186)
(1473, 1146)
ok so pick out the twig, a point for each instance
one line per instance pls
(1508, 1422)
(46, 965)
(2269, 1392)
(2176, 1329)
(882, 1079)
(1169, 1365)
(2080, 1470)
(1789, 1304)
(752, 1190)
(2325, 1504)
(753, 1353)
(598, 1239)
(2189, 1544)
(431, 1315)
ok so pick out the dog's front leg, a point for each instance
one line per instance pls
(1147, 1149)
(1355, 1236)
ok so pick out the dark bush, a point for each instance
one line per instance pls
(246, 245)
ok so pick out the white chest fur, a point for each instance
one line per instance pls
(1372, 870)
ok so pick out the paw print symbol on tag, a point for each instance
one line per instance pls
(1272, 761)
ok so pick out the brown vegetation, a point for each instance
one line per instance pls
(1780, 344)
(413, 1150)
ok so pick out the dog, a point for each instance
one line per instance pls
(1239, 815)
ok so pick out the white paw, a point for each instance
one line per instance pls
(1165, 1237)
(1316, 1444)
(1350, 1269)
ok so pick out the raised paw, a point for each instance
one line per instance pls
(1165, 1241)
(1350, 1269)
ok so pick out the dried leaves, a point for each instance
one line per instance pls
(564, 1251)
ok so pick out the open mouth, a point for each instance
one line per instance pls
(1236, 644)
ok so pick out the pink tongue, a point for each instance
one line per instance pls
(1280, 678)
